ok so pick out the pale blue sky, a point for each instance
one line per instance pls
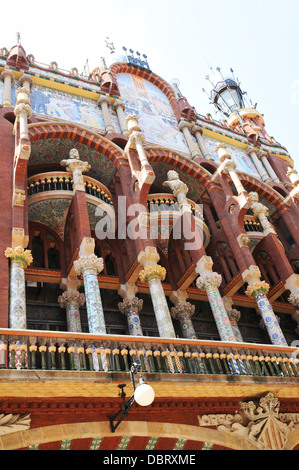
(182, 39)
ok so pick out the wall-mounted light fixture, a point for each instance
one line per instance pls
(143, 395)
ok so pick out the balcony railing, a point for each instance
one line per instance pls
(50, 350)
(252, 224)
(62, 181)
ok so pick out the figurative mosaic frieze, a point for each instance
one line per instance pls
(67, 107)
(156, 117)
(240, 157)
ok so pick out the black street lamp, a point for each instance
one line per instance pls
(143, 395)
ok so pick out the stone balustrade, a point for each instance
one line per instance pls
(62, 181)
(51, 350)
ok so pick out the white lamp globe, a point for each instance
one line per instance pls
(144, 394)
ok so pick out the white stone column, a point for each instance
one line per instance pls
(8, 77)
(257, 162)
(119, 107)
(228, 166)
(104, 104)
(185, 127)
(136, 139)
(261, 212)
(264, 158)
(23, 109)
(197, 132)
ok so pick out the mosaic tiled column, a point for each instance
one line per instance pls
(153, 275)
(183, 312)
(131, 308)
(72, 300)
(258, 291)
(19, 260)
(89, 267)
(210, 282)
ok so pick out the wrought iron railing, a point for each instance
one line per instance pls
(50, 350)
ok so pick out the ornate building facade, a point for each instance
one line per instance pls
(136, 230)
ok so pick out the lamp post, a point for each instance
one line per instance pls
(143, 395)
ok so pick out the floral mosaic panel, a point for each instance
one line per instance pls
(54, 150)
(50, 212)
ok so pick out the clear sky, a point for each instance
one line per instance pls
(257, 38)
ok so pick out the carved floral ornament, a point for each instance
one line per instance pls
(152, 272)
(182, 309)
(210, 280)
(89, 262)
(19, 254)
(71, 297)
(263, 425)
(259, 287)
(130, 304)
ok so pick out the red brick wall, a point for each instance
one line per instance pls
(6, 183)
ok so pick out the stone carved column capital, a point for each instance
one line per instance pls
(8, 73)
(223, 153)
(136, 137)
(130, 304)
(259, 287)
(294, 299)
(23, 108)
(152, 272)
(209, 280)
(234, 315)
(71, 297)
(182, 309)
(261, 154)
(19, 254)
(25, 78)
(103, 99)
(119, 104)
(250, 150)
(184, 124)
(227, 166)
(89, 262)
(195, 129)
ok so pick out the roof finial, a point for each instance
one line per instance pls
(18, 38)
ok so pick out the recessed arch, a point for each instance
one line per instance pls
(51, 130)
(60, 432)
